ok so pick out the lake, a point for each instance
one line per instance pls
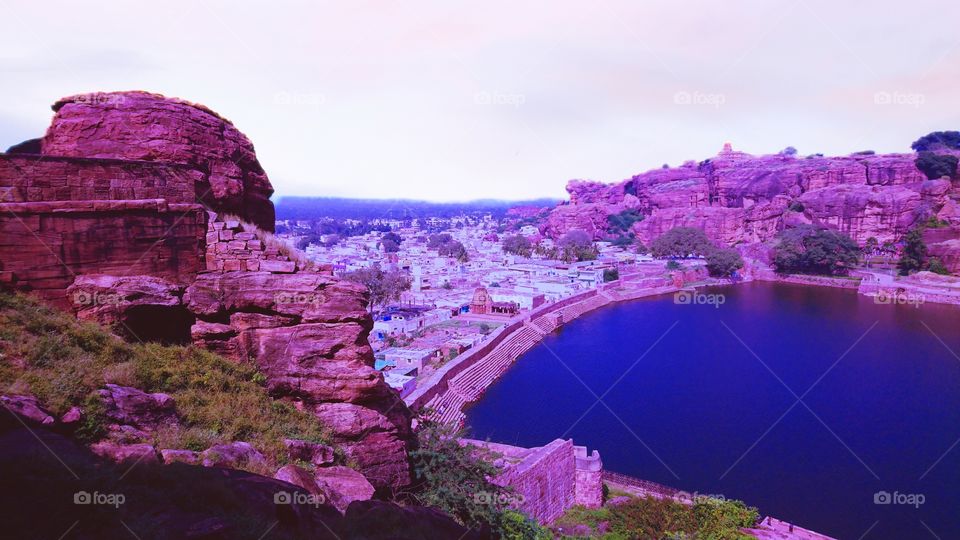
(806, 402)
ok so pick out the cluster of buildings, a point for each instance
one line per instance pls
(452, 305)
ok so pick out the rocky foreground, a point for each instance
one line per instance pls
(151, 216)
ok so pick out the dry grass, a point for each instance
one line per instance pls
(63, 362)
(271, 240)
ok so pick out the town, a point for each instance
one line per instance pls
(441, 286)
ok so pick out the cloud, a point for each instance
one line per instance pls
(447, 100)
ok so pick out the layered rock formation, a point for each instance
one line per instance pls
(738, 198)
(140, 126)
(120, 218)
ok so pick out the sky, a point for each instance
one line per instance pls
(453, 100)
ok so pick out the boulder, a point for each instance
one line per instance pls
(307, 333)
(342, 486)
(141, 126)
(27, 407)
(309, 452)
(180, 456)
(235, 455)
(299, 477)
(128, 406)
(120, 453)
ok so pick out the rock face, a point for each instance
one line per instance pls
(43, 498)
(149, 127)
(308, 334)
(120, 218)
(740, 199)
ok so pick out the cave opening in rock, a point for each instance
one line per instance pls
(169, 325)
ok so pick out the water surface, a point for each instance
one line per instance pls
(705, 399)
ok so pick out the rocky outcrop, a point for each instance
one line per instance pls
(121, 218)
(125, 406)
(141, 126)
(56, 485)
(308, 334)
(738, 198)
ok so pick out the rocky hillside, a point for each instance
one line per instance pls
(738, 198)
(119, 215)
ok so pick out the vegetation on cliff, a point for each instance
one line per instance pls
(63, 362)
(813, 250)
(649, 517)
(455, 478)
(384, 286)
(577, 245)
(683, 242)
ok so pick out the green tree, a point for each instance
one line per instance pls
(577, 245)
(383, 287)
(937, 267)
(611, 274)
(681, 242)
(389, 246)
(937, 140)
(871, 244)
(517, 245)
(936, 166)
(456, 478)
(623, 221)
(914, 252)
(722, 262)
(812, 250)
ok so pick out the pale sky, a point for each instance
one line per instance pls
(453, 100)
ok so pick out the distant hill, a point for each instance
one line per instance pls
(343, 208)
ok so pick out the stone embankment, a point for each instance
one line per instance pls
(549, 479)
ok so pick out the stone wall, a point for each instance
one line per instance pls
(588, 484)
(36, 178)
(64, 217)
(548, 480)
(231, 248)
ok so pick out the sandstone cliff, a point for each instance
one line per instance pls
(738, 198)
(118, 214)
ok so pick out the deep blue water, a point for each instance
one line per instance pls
(700, 412)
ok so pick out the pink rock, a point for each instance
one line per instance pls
(142, 453)
(180, 456)
(27, 407)
(132, 407)
(310, 452)
(150, 127)
(72, 416)
(233, 455)
(343, 485)
(737, 198)
(299, 477)
(279, 267)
